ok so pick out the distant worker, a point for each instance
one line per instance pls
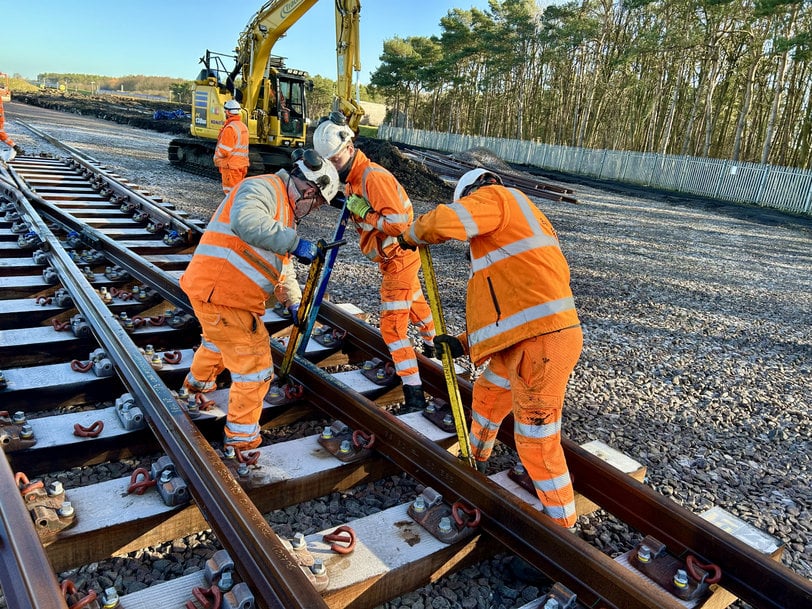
(381, 210)
(4, 137)
(243, 266)
(231, 153)
(520, 314)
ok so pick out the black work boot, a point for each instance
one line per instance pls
(481, 466)
(414, 396)
(429, 351)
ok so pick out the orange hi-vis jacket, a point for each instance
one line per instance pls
(244, 255)
(232, 144)
(3, 135)
(520, 281)
(391, 208)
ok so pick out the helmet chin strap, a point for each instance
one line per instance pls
(297, 198)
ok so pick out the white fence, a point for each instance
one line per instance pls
(783, 188)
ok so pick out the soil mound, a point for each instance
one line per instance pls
(419, 182)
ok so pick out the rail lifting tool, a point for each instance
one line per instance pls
(449, 371)
(317, 278)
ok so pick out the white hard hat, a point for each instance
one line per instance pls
(321, 172)
(475, 177)
(332, 135)
(232, 106)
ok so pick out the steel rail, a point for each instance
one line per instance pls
(754, 578)
(26, 575)
(561, 555)
(261, 558)
(748, 574)
(136, 265)
(190, 231)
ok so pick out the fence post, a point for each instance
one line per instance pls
(806, 209)
(763, 184)
(719, 180)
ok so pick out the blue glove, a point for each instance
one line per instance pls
(294, 313)
(305, 251)
(358, 205)
(451, 342)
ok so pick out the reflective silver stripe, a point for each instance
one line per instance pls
(465, 218)
(410, 379)
(199, 385)
(479, 447)
(483, 422)
(521, 318)
(395, 305)
(406, 365)
(560, 513)
(553, 484)
(238, 262)
(495, 379)
(512, 249)
(244, 432)
(538, 239)
(537, 431)
(209, 345)
(399, 344)
(255, 377)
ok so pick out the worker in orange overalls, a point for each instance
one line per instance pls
(4, 137)
(242, 266)
(520, 314)
(231, 153)
(381, 211)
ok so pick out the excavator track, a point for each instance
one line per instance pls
(195, 155)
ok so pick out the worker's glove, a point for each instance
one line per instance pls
(305, 251)
(405, 244)
(294, 313)
(339, 201)
(452, 342)
(358, 205)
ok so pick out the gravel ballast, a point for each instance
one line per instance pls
(697, 358)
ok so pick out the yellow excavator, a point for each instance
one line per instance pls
(273, 97)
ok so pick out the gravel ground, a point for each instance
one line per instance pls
(696, 361)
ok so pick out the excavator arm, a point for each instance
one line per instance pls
(348, 56)
(255, 44)
(273, 97)
(273, 20)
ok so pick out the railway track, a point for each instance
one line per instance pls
(95, 335)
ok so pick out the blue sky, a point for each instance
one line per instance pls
(118, 38)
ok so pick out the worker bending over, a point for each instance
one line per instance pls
(520, 314)
(241, 267)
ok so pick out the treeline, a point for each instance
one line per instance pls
(720, 78)
(152, 85)
(177, 90)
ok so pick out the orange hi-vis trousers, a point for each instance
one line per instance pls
(238, 340)
(232, 177)
(402, 301)
(530, 379)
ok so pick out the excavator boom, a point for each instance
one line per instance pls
(273, 97)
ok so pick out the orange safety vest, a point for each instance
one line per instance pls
(520, 281)
(391, 208)
(226, 270)
(232, 144)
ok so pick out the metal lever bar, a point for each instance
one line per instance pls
(449, 372)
